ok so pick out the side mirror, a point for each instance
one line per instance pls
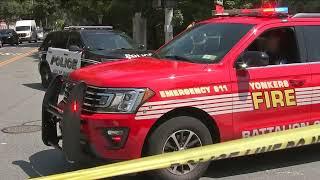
(252, 59)
(75, 48)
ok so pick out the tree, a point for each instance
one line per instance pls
(10, 11)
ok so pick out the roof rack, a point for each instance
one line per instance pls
(88, 27)
(307, 15)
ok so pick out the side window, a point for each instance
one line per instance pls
(280, 45)
(75, 40)
(60, 40)
(312, 39)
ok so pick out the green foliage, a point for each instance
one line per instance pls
(119, 13)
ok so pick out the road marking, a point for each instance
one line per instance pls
(17, 58)
(9, 54)
(3, 143)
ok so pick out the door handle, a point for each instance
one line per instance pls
(297, 82)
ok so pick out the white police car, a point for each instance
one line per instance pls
(79, 46)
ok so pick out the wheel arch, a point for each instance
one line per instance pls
(203, 116)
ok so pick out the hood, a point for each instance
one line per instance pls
(140, 72)
(107, 55)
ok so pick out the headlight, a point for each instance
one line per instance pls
(122, 100)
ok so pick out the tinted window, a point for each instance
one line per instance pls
(60, 40)
(48, 41)
(75, 39)
(105, 40)
(312, 39)
(23, 28)
(204, 43)
(279, 44)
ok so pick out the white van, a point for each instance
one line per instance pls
(26, 30)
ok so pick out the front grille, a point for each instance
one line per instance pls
(22, 35)
(91, 98)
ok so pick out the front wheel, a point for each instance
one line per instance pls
(46, 76)
(178, 134)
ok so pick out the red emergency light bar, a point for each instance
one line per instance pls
(279, 11)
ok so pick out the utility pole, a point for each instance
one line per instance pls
(168, 15)
(168, 29)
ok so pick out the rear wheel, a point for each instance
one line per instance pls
(46, 76)
(1, 43)
(178, 134)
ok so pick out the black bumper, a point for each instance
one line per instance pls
(68, 117)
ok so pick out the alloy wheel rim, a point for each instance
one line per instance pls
(179, 141)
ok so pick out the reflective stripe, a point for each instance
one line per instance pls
(221, 104)
(207, 109)
(195, 99)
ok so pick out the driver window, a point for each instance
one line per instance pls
(280, 45)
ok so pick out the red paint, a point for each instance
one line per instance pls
(165, 74)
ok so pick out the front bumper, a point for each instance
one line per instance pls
(82, 134)
(25, 38)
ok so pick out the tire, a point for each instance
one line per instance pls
(46, 76)
(162, 135)
(1, 44)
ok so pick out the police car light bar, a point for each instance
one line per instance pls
(88, 27)
(279, 11)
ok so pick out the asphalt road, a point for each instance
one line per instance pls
(22, 154)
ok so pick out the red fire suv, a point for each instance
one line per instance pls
(236, 75)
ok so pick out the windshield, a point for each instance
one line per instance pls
(204, 43)
(23, 28)
(107, 40)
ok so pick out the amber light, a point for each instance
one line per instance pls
(74, 106)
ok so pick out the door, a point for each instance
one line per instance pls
(271, 97)
(59, 58)
(312, 39)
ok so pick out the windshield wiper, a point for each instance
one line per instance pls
(180, 58)
(122, 49)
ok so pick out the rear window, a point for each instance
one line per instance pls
(60, 40)
(105, 40)
(48, 41)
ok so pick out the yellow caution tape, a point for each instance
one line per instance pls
(241, 147)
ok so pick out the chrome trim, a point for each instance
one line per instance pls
(281, 65)
(104, 112)
(92, 99)
(93, 105)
